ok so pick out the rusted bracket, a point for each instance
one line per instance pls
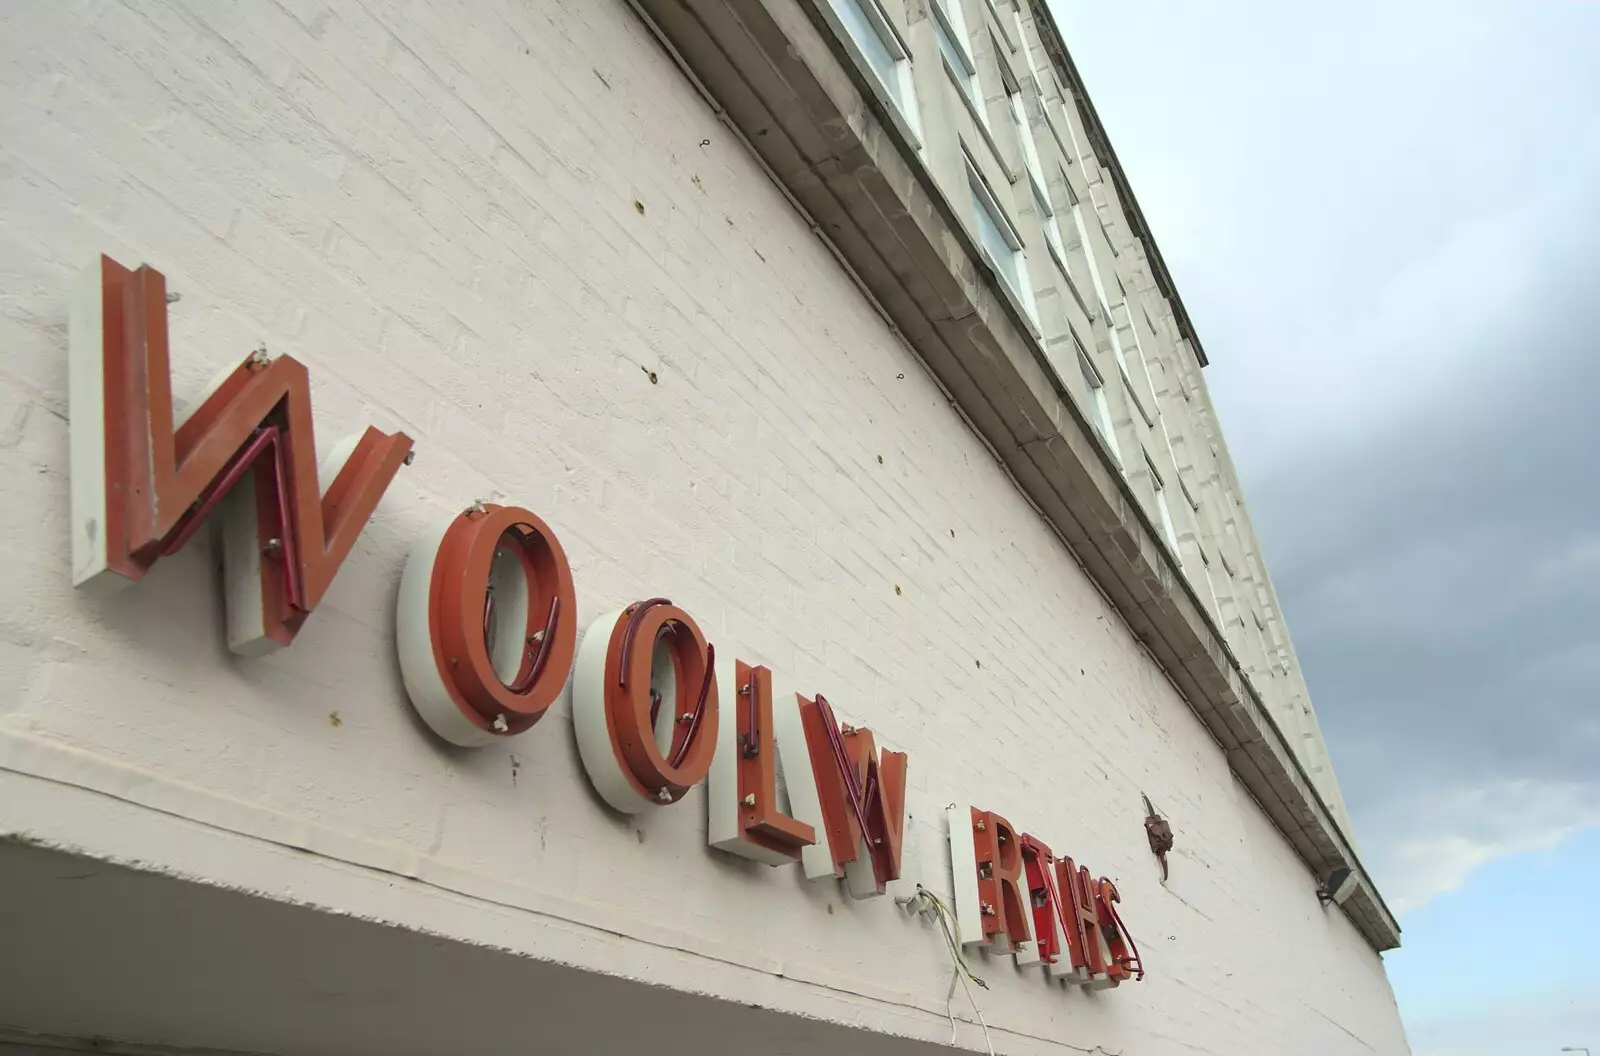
(1160, 832)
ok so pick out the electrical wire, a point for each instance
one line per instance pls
(960, 970)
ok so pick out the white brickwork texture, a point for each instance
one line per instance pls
(499, 226)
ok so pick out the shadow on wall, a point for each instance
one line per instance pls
(151, 959)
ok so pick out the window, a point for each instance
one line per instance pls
(1099, 406)
(1052, 230)
(1150, 322)
(1162, 508)
(1030, 150)
(1211, 588)
(1072, 135)
(950, 26)
(1099, 286)
(999, 238)
(1035, 171)
(1027, 52)
(1116, 348)
(994, 9)
(1261, 640)
(1094, 268)
(1122, 292)
(866, 25)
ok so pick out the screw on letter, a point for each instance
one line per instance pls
(749, 800)
(665, 795)
(500, 724)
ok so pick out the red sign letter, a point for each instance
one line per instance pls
(1124, 954)
(1006, 911)
(486, 626)
(644, 705)
(742, 793)
(862, 794)
(1083, 931)
(1049, 947)
(141, 485)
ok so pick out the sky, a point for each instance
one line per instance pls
(1384, 219)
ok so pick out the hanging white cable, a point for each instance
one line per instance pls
(960, 970)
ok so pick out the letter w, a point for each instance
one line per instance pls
(860, 795)
(141, 487)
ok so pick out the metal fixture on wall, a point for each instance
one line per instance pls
(1160, 832)
(1339, 886)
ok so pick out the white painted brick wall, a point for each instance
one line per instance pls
(432, 205)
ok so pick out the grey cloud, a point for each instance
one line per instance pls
(1385, 220)
(1441, 574)
(1442, 585)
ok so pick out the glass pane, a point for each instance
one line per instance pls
(1094, 269)
(954, 56)
(870, 41)
(1052, 231)
(1022, 42)
(1103, 406)
(1116, 342)
(955, 16)
(1000, 251)
(1166, 517)
(1091, 386)
(1030, 150)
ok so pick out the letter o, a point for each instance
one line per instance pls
(487, 624)
(644, 705)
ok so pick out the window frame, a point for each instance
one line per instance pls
(1107, 427)
(1096, 281)
(950, 24)
(990, 203)
(1026, 144)
(1027, 54)
(1051, 226)
(999, 20)
(1211, 588)
(1169, 528)
(905, 109)
(1033, 172)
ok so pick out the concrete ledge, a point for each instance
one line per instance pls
(787, 85)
